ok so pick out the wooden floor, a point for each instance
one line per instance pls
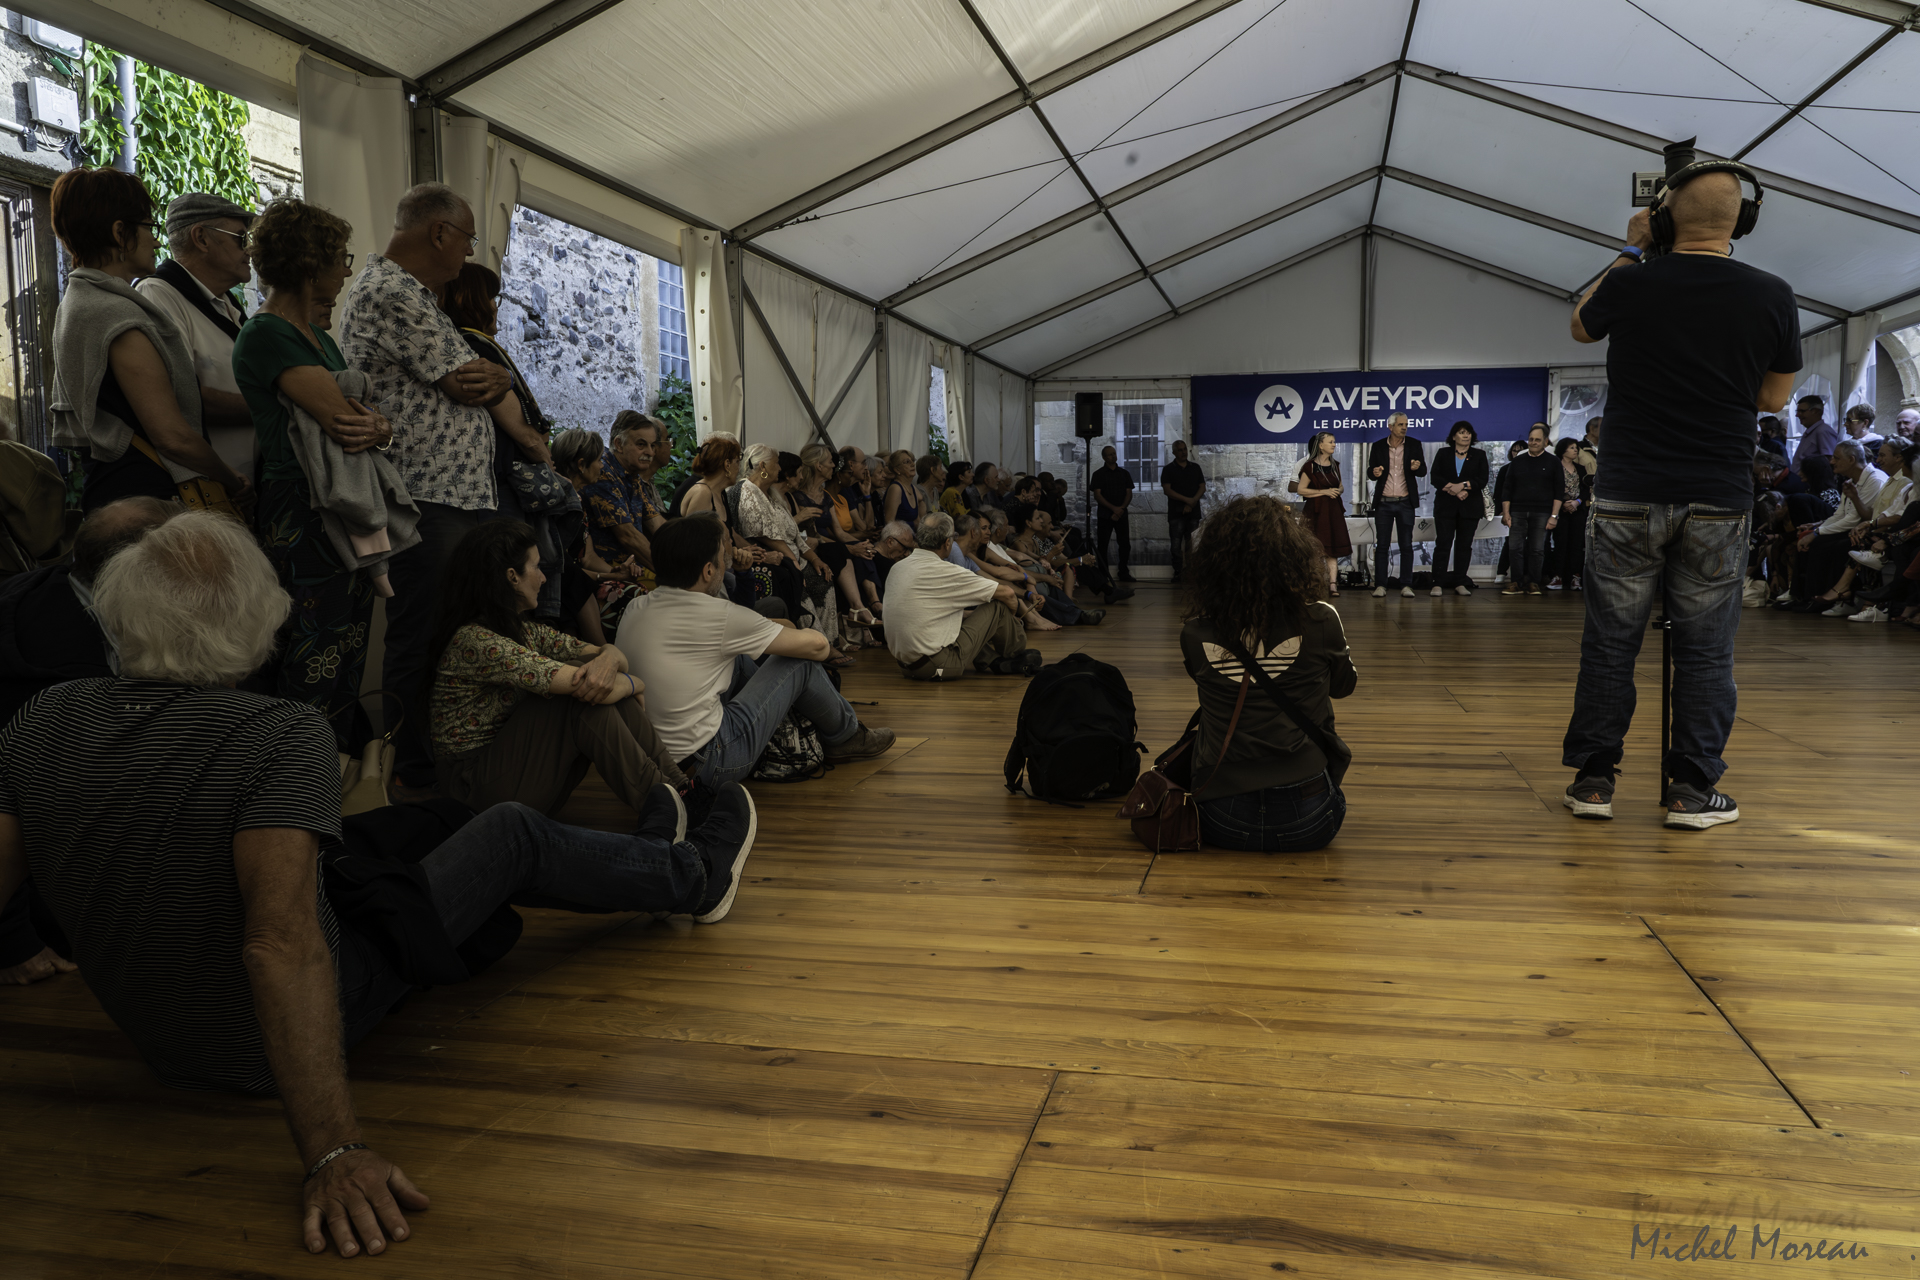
(947, 1032)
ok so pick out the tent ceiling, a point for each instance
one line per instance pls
(1038, 176)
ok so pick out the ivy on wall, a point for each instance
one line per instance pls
(675, 408)
(190, 137)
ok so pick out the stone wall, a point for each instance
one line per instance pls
(580, 314)
(1057, 449)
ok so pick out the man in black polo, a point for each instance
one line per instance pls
(1113, 491)
(1183, 482)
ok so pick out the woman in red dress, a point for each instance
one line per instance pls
(1318, 482)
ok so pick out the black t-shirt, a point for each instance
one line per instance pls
(1183, 478)
(1113, 484)
(1690, 338)
(1535, 484)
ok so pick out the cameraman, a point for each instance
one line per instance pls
(1699, 342)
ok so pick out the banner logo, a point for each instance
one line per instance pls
(1279, 409)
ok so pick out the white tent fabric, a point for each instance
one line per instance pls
(909, 382)
(825, 336)
(1032, 181)
(354, 148)
(719, 392)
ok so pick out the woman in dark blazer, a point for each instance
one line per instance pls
(1459, 478)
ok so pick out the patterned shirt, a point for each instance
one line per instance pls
(392, 328)
(483, 676)
(616, 500)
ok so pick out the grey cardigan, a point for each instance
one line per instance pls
(363, 504)
(96, 309)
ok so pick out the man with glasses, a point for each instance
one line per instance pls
(425, 378)
(207, 236)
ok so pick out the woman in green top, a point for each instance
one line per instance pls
(300, 252)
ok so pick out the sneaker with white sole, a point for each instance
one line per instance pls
(1379, 592)
(1696, 810)
(1407, 592)
(1870, 615)
(1841, 609)
(1871, 559)
(1591, 795)
(1463, 591)
(1436, 593)
(724, 841)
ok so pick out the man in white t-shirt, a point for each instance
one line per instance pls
(929, 630)
(720, 678)
(207, 236)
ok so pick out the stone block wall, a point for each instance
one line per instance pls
(580, 314)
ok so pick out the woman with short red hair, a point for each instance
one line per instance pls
(126, 396)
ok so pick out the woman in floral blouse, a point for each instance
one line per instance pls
(519, 710)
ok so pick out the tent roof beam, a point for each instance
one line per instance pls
(511, 43)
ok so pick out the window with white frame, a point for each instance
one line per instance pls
(1137, 427)
(674, 356)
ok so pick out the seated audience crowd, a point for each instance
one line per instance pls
(249, 487)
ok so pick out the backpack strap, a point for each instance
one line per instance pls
(1304, 722)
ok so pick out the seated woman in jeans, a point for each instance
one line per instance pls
(519, 710)
(1257, 576)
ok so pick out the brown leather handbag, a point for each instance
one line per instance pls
(1165, 816)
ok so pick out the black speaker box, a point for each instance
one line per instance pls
(1087, 407)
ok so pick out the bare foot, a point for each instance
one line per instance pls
(44, 965)
(1038, 622)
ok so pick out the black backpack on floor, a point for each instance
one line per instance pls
(1076, 734)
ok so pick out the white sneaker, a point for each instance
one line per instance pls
(1871, 559)
(1407, 592)
(1841, 609)
(1869, 615)
(1463, 591)
(1436, 593)
(1378, 592)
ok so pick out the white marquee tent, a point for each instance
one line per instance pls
(1098, 189)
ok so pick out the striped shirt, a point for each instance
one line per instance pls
(128, 794)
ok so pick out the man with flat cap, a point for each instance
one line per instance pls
(207, 236)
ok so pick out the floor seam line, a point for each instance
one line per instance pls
(1731, 1025)
(993, 1219)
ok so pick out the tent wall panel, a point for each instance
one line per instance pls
(824, 334)
(356, 154)
(713, 339)
(1306, 317)
(1419, 298)
(909, 381)
(1016, 423)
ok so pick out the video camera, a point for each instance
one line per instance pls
(1652, 189)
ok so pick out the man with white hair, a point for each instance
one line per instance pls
(173, 827)
(1907, 424)
(425, 378)
(929, 630)
(207, 248)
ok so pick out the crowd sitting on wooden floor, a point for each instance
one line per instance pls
(1836, 528)
(182, 669)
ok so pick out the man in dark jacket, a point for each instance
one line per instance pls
(1530, 507)
(47, 637)
(1394, 465)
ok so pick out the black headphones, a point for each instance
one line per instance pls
(1660, 218)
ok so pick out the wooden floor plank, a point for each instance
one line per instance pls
(1339, 1064)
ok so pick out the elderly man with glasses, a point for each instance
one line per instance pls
(425, 378)
(207, 238)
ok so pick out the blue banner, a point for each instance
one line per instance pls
(1277, 408)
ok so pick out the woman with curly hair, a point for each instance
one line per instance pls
(1256, 581)
(299, 251)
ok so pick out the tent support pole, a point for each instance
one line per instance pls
(883, 385)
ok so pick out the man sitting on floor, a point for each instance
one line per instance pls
(173, 827)
(928, 629)
(714, 706)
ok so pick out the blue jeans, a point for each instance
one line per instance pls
(1699, 553)
(512, 853)
(1527, 547)
(1277, 820)
(759, 700)
(1388, 513)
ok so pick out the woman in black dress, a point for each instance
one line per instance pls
(1318, 482)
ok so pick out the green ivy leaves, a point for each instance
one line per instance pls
(675, 408)
(191, 137)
